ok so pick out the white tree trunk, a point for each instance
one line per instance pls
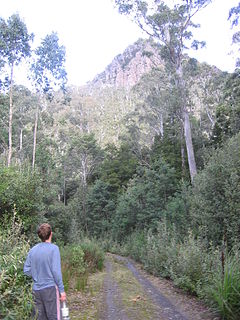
(64, 192)
(35, 140)
(20, 153)
(21, 140)
(84, 170)
(181, 87)
(10, 120)
(186, 124)
(189, 145)
(183, 153)
(161, 125)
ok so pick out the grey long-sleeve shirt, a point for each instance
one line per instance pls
(43, 264)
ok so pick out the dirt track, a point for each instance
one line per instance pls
(127, 292)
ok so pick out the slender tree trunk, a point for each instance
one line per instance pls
(84, 183)
(183, 154)
(20, 157)
(189, 145)
(186, 124)
(21, 140)
(181, 87)
(210, 117)
(10, 119)
(35, 140)
(64, 192)
(161, 125)
(84, 171)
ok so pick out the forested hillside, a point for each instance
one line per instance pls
(145, 158)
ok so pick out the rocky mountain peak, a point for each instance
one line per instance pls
(127, 68)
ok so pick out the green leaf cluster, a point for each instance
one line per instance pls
(14, 40)
(19, 189)
(145, 199)
(214, 200)
(15, 288)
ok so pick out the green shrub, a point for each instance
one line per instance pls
(78, 261)
(73, 266)
(191, 265)
(135, 246)
(144, 202)
(225, 290)
(20, 189)
(108, 244)
(93, 255)
(15, 288)
(214, 201)
(161, 250)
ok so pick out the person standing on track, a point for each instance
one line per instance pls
(43, 264)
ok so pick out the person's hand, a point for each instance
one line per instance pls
(63, 296)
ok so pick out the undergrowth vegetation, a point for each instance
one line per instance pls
(224, 291)
(78, 261)
(206, 271)
(15, 288)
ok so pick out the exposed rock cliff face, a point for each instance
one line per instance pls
(126, 69)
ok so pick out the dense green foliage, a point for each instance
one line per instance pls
(15, 288)
(20, 189)
(221, 178)
(190, 263)
(224, 290)
(78, 261)
(145, 199)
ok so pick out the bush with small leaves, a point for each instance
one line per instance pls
(93, 255)
(78, 261)
(159, 250)
(15, 288)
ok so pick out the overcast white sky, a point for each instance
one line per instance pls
(94, 33)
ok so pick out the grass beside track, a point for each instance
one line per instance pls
(86, 304)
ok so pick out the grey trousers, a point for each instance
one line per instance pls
(47, 304)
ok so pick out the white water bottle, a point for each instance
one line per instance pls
(65, 311)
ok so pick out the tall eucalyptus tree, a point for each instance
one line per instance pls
(82, 159)
(48, 73)
(14, 47)
(171, 26)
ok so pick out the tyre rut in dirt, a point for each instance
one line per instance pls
(166, 308)
(113, 299)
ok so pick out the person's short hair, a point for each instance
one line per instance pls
(44, 231)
